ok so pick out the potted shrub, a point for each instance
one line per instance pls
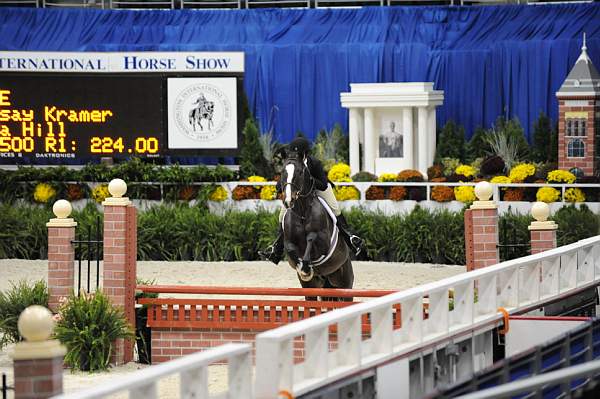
(16, 300)
(88, 326)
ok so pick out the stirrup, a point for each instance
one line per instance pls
(357, 243)
(271, 254)
(267, 252)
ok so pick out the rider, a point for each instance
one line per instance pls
(301, 146)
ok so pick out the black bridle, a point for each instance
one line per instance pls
(298, 190)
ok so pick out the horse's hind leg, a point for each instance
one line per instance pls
(342, 278)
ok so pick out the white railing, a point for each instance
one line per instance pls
(193, 372)
(517, 286)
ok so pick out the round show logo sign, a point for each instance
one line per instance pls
(202, 112)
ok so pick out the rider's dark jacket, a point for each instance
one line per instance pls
(316, 170)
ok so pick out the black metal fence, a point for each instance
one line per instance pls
(5, 387)
(88, 250)
(514, 240)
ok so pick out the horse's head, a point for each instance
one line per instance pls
(296, 179)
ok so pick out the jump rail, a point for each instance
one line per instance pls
(517, 286)
(193, 371)
(256, 314)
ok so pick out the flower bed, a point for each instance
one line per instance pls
(453, 181)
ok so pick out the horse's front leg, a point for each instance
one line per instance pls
(310, 240)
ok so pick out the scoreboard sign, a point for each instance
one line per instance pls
(118, 105)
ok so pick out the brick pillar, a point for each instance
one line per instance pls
(61, 253)
(37, 361)
(543, 231)
(120, 254)
(481, 230)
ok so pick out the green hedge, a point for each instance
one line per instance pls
(182, 232)
(134, 170)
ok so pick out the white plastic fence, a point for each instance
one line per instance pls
(517, 286)
(193, 372)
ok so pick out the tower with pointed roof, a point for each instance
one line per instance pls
(579, 118)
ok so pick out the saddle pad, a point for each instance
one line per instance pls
(332, 240)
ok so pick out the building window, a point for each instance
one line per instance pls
(576, 127)
(576, 148)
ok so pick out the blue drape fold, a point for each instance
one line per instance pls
(490, 61)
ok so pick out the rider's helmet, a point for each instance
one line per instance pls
(300, 145)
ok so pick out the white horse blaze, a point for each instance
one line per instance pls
(288, 188)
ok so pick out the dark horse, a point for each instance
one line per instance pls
(311, 237)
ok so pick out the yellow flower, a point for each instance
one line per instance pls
(100, 193)
(520, 172)
(344, 193)
(464, 194)
(268, 193)
(386, 177)
(547, 194)
(43, 193)
(574, 195)
(339, 171)
(561, 176)
(500, 180)
(465, 170)
(257, 179)
(218, 194)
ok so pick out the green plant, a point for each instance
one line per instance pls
(331, 146)
(96, 173)
(575, 223)
(542, 139)
(13, 302)
(186, 232)
(252, 161)
(503, 145)
(364, 177)
(269, 147)
(514, 227)
(135, 170)
(88, 325)
(24, 234)
(477, 146)
(451, 142)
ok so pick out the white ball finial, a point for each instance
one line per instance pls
(483, 191)
(117, 187)
(35, 323)
(62, 209)
(540, 211)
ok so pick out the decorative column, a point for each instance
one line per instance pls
(354, 138)
(37, 361)
(543, 231)
(369, 147)
(422, 139)
(481, 229)
(61, 253)
(409, 149)
(120, 254)
(431, 141)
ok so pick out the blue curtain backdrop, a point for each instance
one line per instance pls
(490, 61)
